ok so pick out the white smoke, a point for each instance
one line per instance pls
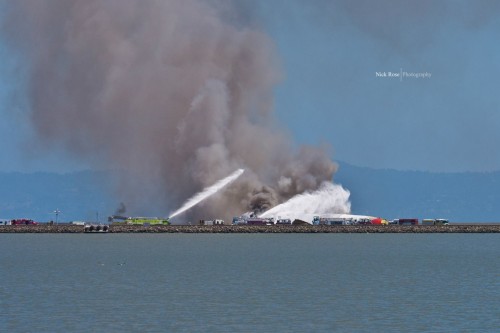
(328, 199)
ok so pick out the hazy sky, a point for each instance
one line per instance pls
(330, 52)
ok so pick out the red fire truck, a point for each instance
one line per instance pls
(408, 221)
(23, 222)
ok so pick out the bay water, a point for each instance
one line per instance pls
(249, 283)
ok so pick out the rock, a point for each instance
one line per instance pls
(303, 228)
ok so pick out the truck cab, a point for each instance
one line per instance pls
(5, 222)
(441, 222)
(316, 220)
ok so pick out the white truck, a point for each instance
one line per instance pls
(435, 222)
(5, 222)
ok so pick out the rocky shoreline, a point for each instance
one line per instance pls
(65, 228)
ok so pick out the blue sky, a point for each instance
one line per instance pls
(449, 122)
(330, 52)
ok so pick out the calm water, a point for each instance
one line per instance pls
(250, 283)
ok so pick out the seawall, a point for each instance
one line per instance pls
(64, 228)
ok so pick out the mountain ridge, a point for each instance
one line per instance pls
(459, 196)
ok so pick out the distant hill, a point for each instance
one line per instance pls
(461, 197)
(79, 195)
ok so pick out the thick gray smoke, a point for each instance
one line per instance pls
(176, 94)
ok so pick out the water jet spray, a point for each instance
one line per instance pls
(207, 192)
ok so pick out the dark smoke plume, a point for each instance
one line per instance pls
(121, 210)
(176, 94)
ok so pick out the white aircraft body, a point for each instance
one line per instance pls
(308, 217)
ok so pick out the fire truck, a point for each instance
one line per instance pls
(435, 222)
(408, 221)
(23, 222)
(137, 220)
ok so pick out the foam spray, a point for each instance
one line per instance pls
(328, 199)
